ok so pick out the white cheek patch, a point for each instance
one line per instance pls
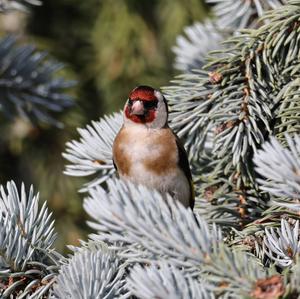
(161, 116)
(159, 96)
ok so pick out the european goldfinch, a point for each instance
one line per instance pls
(146, 151)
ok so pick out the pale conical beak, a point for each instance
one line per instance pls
(137, 108)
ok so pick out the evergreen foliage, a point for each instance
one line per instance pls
(93, 153)
(165, 281)
(229, 16)
(89, 274)
(35, 100)
(28, 261)
(27, 86)
(238, 116)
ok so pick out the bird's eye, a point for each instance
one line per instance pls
(150, 104)
(130, 102)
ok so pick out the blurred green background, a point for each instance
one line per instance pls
(109, 47)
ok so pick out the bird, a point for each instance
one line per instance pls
(147, 152)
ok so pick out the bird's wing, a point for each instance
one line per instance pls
(184, 165)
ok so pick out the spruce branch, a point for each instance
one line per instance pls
(143, 226)
(282, 245)
(28, 262)
(163, 280)
(280, 169)
(288, 106)
(27, 84)
(92, 155)
(243, 105)
(238, 14)
(198, 40)
(191, 48)
(188, 99)
(135, 214)
(89, 274)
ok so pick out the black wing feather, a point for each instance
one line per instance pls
(183, 163)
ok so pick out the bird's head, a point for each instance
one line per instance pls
(146, 106)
